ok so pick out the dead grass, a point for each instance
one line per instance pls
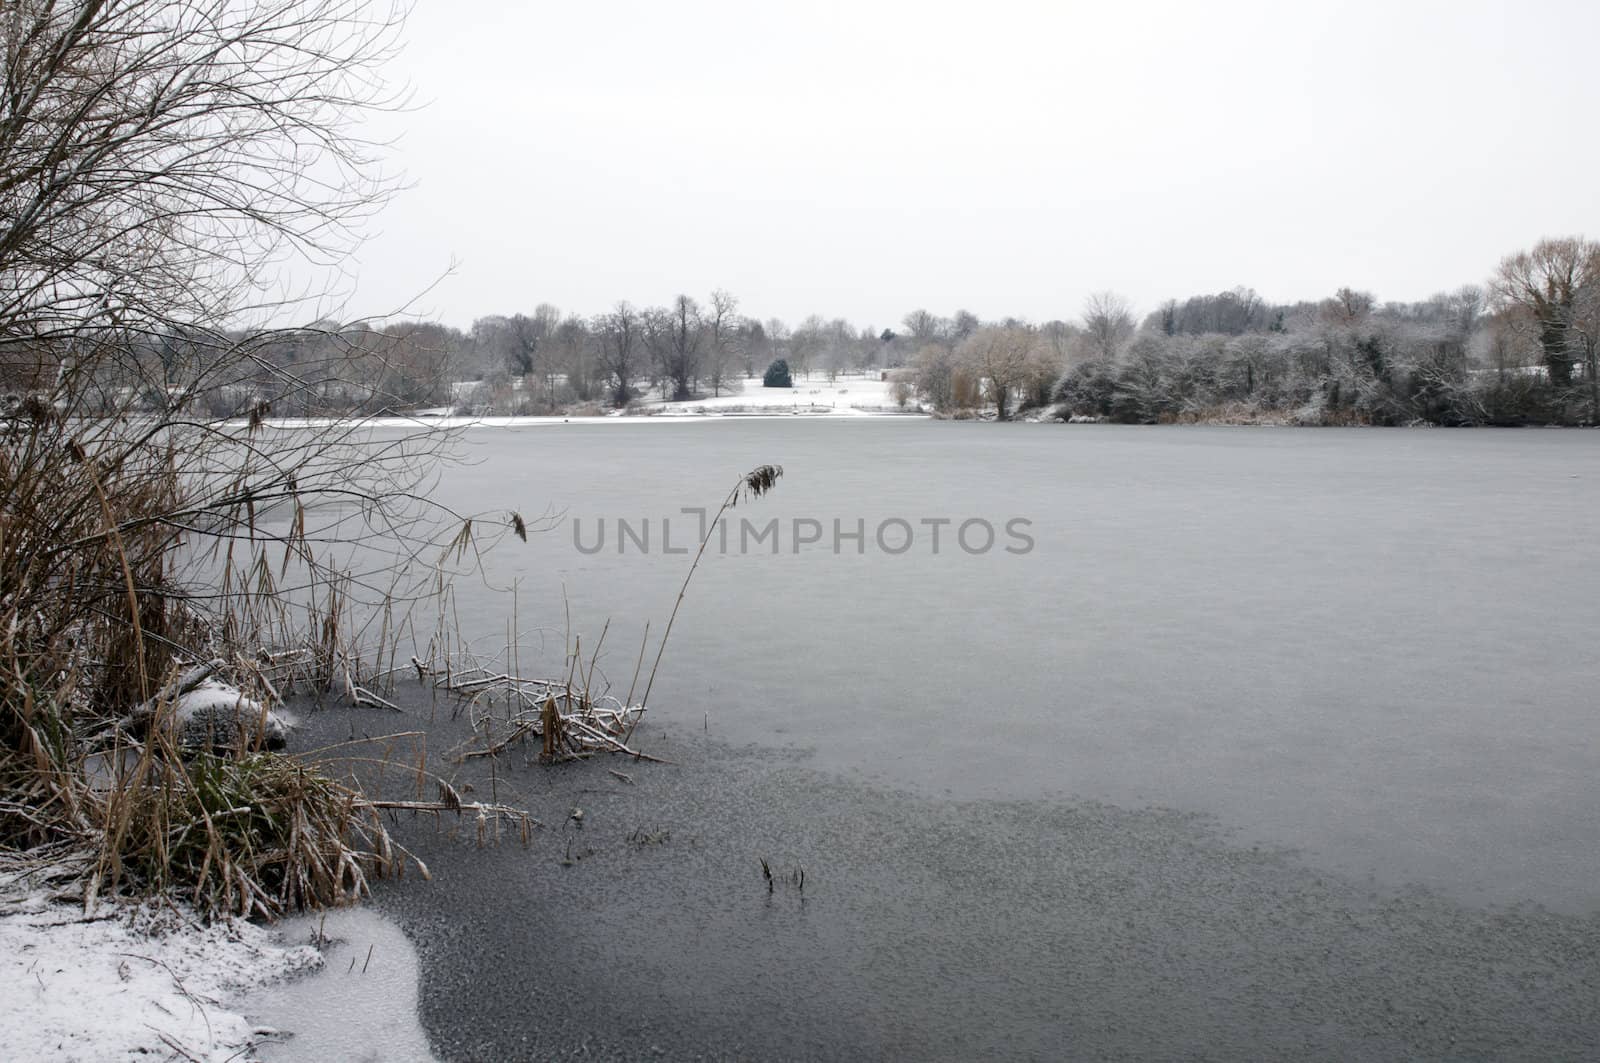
(130, 552)
(134, 553)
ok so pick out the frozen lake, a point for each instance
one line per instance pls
(1375, 647)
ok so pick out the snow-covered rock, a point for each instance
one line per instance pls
(215, 715)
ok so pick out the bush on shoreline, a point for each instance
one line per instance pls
(148, 521)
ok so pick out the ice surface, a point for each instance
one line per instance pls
(1374, 646)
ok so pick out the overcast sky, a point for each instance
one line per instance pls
(864, 159)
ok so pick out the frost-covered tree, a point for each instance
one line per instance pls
(1553, 286)
(1233, 312)
(1108, 324)
(1005, 359)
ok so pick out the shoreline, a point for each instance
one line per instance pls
(453, 421)
(147, 977)
(904, 925)
(133, 978)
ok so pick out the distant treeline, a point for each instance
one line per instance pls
(532, 363)
(1519, 350)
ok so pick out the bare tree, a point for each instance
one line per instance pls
(963, 324)
(938, 376)
(576, 354)
(722, 323)
(158, 159)
(531, 336)
(779, 335)
(517, 342)
(158, 155)
(1108, 323)
(1583, 336)
(675, 336)
(414, 363)
(1062, 338)
(839, 351)
(1164, 318)
(806, 342)
(1348, 307)
(619, 333)
(1005, 359)
(1464, 306)
(754, 345)
(923, 328)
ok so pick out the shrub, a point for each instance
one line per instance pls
(1087, 389)
(777, 375)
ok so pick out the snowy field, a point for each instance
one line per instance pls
(851, 396)
(847, 396)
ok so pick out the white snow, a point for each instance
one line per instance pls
(852, 396)
(360, 1005)
(150, 979)
(215, 711)
(129, 981)
(214, 697)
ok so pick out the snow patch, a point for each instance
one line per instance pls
(215, 713)
(360, 1006)
(134, 980)
(848, 396)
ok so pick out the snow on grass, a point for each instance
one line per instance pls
(131, 981)
(216, 713)
(854, 396)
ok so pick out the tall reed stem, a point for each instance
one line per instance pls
(753, 484)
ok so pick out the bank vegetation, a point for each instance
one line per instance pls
(170, 570)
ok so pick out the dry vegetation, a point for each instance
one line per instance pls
(575, 716)
(130, 552)
(156, 159)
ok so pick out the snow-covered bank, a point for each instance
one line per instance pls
(850, 395)
(853, 397)
(132, 980)
(361, 1004)
(150, 979)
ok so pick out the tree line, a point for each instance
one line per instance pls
(1520, 349)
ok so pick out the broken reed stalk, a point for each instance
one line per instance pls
(753, 484)
(571, 719)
